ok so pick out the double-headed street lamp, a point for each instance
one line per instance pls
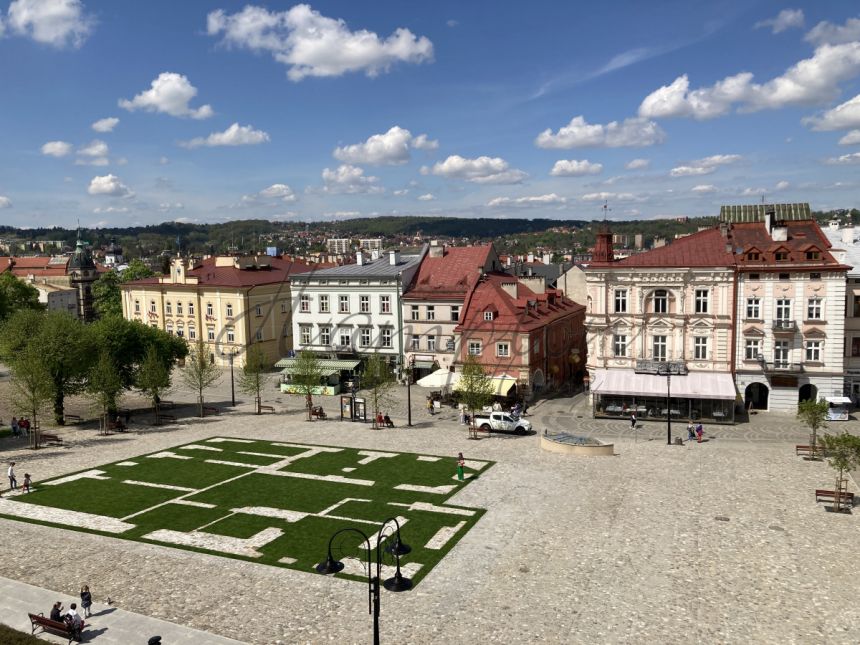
(409, 371)
(233, 351)
(396, 583)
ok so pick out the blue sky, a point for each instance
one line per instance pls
(121, 113)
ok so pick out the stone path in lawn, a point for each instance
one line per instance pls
(718, 542)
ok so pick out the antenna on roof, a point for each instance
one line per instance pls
(606, 209)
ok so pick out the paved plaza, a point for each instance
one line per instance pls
(714, 543)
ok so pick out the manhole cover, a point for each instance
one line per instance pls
(721, 518)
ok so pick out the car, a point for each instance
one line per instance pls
(502, 422)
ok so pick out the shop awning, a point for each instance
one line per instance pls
(695, 385)
(500, 385)
(336, 365)
(439, 378)
(325, 371)
(424, 365)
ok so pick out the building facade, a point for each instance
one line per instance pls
(231, 302)
(846, 250)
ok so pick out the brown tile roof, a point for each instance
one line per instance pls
(702, 249)
(803, 236)
(451, 276)
(210, 275)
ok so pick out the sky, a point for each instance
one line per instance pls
(135, 113)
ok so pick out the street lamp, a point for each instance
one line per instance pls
(396, 583)
(409, 372)
(668, 408)
(230, 355)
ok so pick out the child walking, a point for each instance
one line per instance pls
(27, 482)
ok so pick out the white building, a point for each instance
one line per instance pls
(338, 246)
(846, 249)
(58, 298)
(354, 309)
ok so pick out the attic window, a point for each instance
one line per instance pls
(813, 255)
(488, 315)
(753, 256)
(781, 256)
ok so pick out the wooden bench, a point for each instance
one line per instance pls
(119, 426)
(831, 495)
(166, 405)
(50, 438)
(318, 413)
(165, 417)
(808, 450)
(48, 625)
(72, 417)
(267, 408)
(208, 410)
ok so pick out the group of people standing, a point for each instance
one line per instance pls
(695, 432)
(20, 427)
(71, 617)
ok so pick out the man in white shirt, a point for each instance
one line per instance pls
(76, 621)
(13, 483)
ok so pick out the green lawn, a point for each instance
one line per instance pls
(266, 502)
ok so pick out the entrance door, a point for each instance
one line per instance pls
(755, 396)
(807, 392)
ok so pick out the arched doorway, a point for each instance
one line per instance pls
(807, 392)
(755, 396)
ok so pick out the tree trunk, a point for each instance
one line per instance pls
(200, 403)
(309, 403)
(155, 407)
(838, 490)
(58, 408)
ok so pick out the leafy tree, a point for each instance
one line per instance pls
(107, 296)
(843, 454)
(15, 295)
(17, 332)
(153, 377)
(104, 384)
(378, 380)
(30, 389)
(253, 377)
(136, 270)
(813, 414)
(307, 374)
(475, 387)
(199, 373)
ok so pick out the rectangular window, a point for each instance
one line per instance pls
(780, 354)
(192, 333)
(229, 310)
(287, 330)
(385, 304)
(700, 348)
(180, 332)
(621, 301)
(754, 276)
(325, 335)
(168, 308)
(137, 306)
(283, 306)
(813, 255)
(658, 348)
(305, 303)
(415, 313)
(209, 310)
(431, 343)
(488, 315)
(324, 309)
(752, 349)
(474, 348)
(305, 334)
(416, 343)
(784, 276)
(231, 335)
(813, 309)
(503, 350)
(431, 312)
(258, 310)
(364, 337)
(857, 306)
(343, 304)
(190, 308)
(855, 346)
(661, 301)
(813, 351)
(170, 328)
(701, 301)
(815, 277)
(178, 308)
(754, 308)
(345, 338)
(152, 307)
(783, 309)
(385, 336)
(455, 313)
(364, 304)
(259, 334)
(619, 345)
(210, 333)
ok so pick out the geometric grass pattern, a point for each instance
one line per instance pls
(276, 503)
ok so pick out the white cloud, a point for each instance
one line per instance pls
(704, 166)
(109, 185)
(852, 158)
(704, 189)
(809, 81)
(279, 191)
(452, 23)
(95, 148)
(401, 192)
(550, 199)
(92, 161)
(311, 44)
(827, 32)
(482, 170)
(164, 161)
(604, 196)
(637, 164)
(105, 125)
(57, 148)
(390, 148)
(574, 168)
(350, 180)
(785, 19)
(579, 133)
(170, 93)
(53, 22)
(235, 135)
(843, 117)
(782, 185)
(750, 192)
(110, 209)
(426, 197)
(850, 139)
(171, 206)
(5, 202)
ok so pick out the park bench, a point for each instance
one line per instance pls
(75, 418)
(166, 405)
(808, 450)
(165, 417)
(51, 438)
(208, 410)
(48, 625)
(831, 495)
(267, 408)
(318, 413)
(119, 426)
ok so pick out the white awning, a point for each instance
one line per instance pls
(439, 378)
(838, 400)
(695, 385)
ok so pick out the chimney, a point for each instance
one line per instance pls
(374, 254)
(848, 235)
(510, 288)
(436, 250)
(359, 258)
(547, 258)
(394, 257)
(508, 261)
(531, 257)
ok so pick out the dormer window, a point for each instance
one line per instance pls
(781, 256)
(753, 256)
(488, 315)
(813, 255)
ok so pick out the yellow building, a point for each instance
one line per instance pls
(230, 302)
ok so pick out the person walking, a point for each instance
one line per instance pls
(633, 421)
(27, 482)
(699, 432)
(430, 406)
(690, 432)
(13, 483)
(16, 431)
(86, 601)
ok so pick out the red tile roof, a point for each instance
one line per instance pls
(453, 275)
(803, 236)
(229, 276)
(5, 263)
(702, 249)
(523, 313)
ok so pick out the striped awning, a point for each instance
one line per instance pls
(326, 363)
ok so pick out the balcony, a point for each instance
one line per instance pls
(784, 326)
(780, 367)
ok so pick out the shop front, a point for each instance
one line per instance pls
(698, 396)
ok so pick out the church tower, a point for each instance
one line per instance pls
(603, 245)
(82, 271)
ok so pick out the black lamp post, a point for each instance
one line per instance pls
(396, 583)
(409, 371)
(668, 409)
(230, 355)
